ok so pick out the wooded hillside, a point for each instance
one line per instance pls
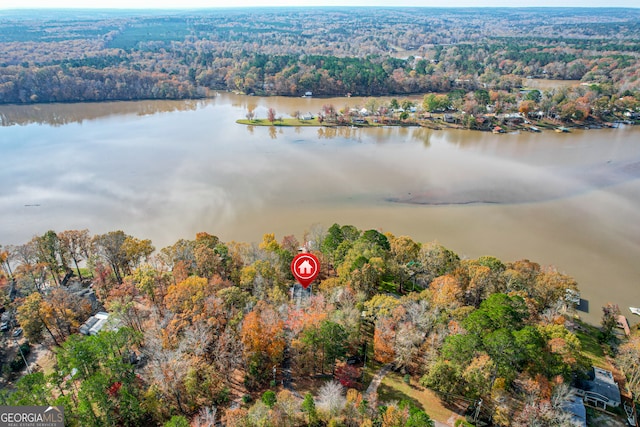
(202, 324)
(94, 56)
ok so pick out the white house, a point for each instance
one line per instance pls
(98, 322)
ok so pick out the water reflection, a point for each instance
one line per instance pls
(423, 135)
(331, 132)
(62, 114)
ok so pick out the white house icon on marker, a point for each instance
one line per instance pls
(305, 268)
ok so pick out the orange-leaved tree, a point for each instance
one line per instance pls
(263, 337)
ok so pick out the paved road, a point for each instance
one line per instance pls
(375, 383)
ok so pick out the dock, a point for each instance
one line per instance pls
(623, 324)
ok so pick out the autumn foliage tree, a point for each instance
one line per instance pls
(263, 340)
(445, 291)
(60, 314)
(383, 338)
(202, 311)
(187, 300)
(271, 115)
(31, 316)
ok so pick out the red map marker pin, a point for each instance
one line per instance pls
(305, 268)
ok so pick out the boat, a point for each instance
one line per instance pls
(635, 310)
(534, 129)
(562, 129)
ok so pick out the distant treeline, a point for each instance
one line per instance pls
(327, 52)
(469, 67)
(63, 84)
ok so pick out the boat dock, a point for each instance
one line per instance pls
(623, 323)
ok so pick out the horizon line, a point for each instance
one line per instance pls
(186, 8)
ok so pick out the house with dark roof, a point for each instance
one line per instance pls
(600, 389)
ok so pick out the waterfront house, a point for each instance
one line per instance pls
(512, 118)
(600, 389)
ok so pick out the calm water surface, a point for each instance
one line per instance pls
(166, 170)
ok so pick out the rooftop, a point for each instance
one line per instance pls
(575, 406)
(602, 384)
(96, 323)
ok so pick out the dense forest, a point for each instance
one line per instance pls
(211, 331)
(69, 56)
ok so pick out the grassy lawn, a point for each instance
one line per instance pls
(284, 122)
(46, 359)
(393, 387)
(591, 348)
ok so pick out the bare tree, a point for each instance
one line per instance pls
(227, 353)
(205, 418)
(196, 339)
(407, 344)
(28, 258)
(545, 413)
(166, 368)
(76, 245)
(629, 361)
(331, 398)
(315, 236)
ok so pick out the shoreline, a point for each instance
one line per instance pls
(489, 122)
(437, 123)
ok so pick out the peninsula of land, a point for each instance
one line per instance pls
(495, 111)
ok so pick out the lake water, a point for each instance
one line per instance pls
(165, 170)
